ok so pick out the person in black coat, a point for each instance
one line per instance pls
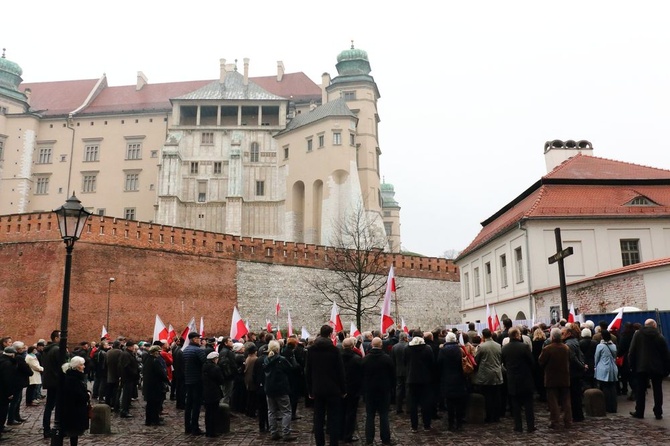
(353, 377)
(453, 383)
(155, 383)
(324, 374)
(377, 385)
(212, 381)
(24, 372)
(74, 416)
(518, 359)
(419, 361)
(277, 388)
(8, 376)
(129, 371)
(259, 381)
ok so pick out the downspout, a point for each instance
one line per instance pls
(70, 125)
(530, 288)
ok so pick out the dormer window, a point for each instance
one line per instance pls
(641, 201)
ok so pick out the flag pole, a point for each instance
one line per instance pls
(397, 313)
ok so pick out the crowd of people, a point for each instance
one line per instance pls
(414, 372)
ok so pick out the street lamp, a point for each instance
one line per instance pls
(109, 290)
(71, 219)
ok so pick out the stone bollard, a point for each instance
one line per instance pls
(476, 409)
(101, 421)
(594, 403)
(223, 419)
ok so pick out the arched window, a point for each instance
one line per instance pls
(254, 155)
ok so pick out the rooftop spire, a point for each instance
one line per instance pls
(352, 44)
(3, 52)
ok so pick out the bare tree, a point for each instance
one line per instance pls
(451, 253)
(358, 263)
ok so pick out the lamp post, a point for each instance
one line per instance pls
(71, 219)
(109, 291)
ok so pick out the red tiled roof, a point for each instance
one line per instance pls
(588, 196)
(61, 98)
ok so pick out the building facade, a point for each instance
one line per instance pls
(612, 214)
(276, 157)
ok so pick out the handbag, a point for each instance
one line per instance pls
(468, 362)
(618, 360)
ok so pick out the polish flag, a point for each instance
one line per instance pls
(304, 334)
(160, 332)
(171, 334)
(404, 327)
(354, 331)
(290, 324)
(277, 307)
(278, 332)
(237, 326)
(460, 338)
(496, 321)
(104, 334)
(616, 323)
(335, 320)
(571, 314)
(189, 328)
(268, 325)
(202, 327)
(492, 319)
(386, 320)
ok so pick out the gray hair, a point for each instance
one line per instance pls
(556, 335)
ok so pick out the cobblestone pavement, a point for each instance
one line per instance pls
(614, 429)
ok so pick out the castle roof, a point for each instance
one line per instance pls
(338, 107)
(232, 88)
(584, 187)
(55, 99)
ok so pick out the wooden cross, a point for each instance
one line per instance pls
(558, 257)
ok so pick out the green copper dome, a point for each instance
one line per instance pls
(353, 61)
(388, 196)
(10, 78)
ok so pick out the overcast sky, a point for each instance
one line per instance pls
(470, 92)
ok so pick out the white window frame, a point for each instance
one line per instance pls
(218, 167)
(466, 285)
(630, 251)
(132, 182)
(488, 281)
(503, 271)
(260, 188)
(42, 185)
(254, 153)
(337, 138)
(129, 213)
(91, 153)
(518, 261)
(44, 156)
(134, 150)
(89, 183)
(475, 279)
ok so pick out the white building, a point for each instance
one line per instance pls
(614, 215)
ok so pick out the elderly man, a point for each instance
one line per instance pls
(194, 358)
(555, 358)
(377, 385)
(398, 357)
(519, 362)
(489, 377)
(649, 360)
(353, 377)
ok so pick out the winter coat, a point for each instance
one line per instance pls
(377, 373)
(37, 369)
(212, 380)
(353, 372)
(555, 358)
(24, 372)
(489, 364)
(324, 370)
(419, 362)
(112, 359)
(277, 370)
(453, 383)
(74, 417)
(605, 367)
(520, 365)
(7, 377)
(649, 352)
(398, 357)
(155, 380)
(129, 368)
(194, 358)
(52, 366)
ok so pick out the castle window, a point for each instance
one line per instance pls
(476, 281)
(466, 285)
(134, 151)
(337, 138)
(349, 95)
(132, 182)
(202, 191)
(352, 139)
(286, 152)
(45, 155)
(309, 145)
(217, 167)
(89, 182)
(321, 141)
(42, 187)
(91, 152)
(194, 167)
(641, 201)
(630, 251)
(260, 188)
(503, 271)
(518, 259)
(254, 155)
(154, 153)
(129, 213)
(388, 228)
(487, 277)
(207, 138)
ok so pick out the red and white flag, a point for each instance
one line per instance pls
(171, 334)
(268, 326)
(335, 320)
(278, 336)
(304, 334)
(354, 331)
(571, 314)
(492, 319)
(189, 328)
(104, 334)
(237, 327)
(202, 327)
(160, 332)
(616, 323)
(386, 320)
(460, 338)
(404, 327)
(290, 324)
(277, 307)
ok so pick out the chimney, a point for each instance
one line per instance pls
(28, 92)
(141, 81)
(556, 152)
(280, 70)
(246, 71)
(325, 82)
(222, 70)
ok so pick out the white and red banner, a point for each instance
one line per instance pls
(492, 318)
(104, 334)
(335, 320)
(290, 324)
(160, 331)
(304, 334)
(386, 320)
(202, 327)
(237, 326)
(171, 334)
(571, 314)
(189, 328)
(404, 326)
(354, 331)
(277, 307)
(268, 326)
(616, 322)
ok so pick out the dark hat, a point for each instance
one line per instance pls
(211, 340)
(193, 334)
(10, 350)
